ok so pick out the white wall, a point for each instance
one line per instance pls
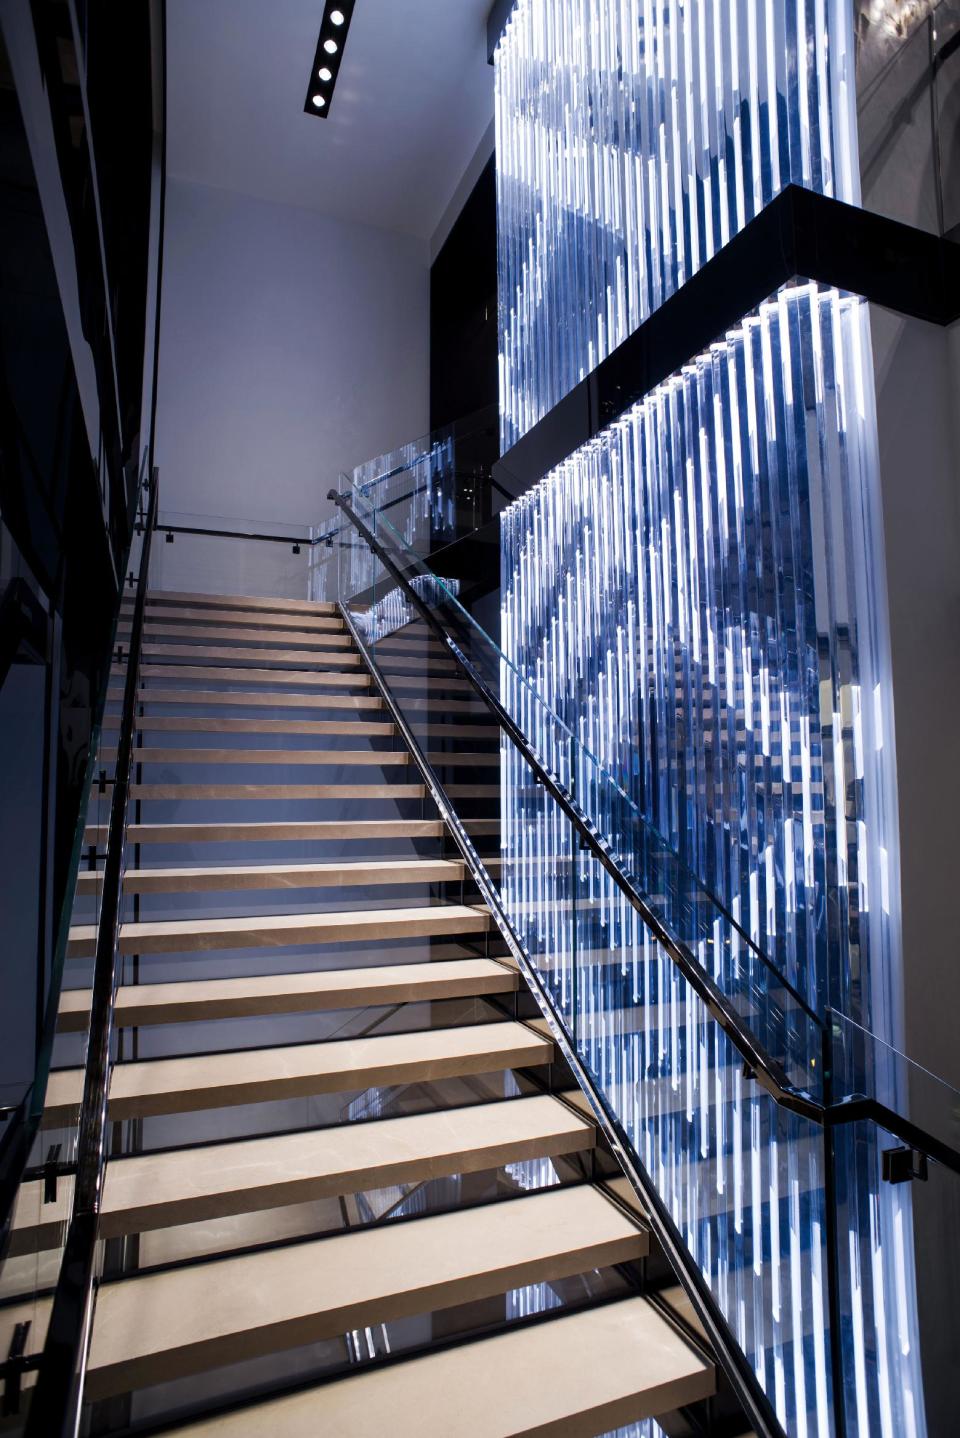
(918, 377)
(292, 346)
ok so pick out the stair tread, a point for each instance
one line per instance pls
(210, 724)
(176, 597)
(190, 1185)
(164, 1325)
(341, 790)
(384, 757)
(199, 654)
(264, 700)
(293, 830)
(533, 1380)
(278, 876)
(268, 930)
(177, 617)
(158, 1190)
(304, 677)
(201, 1081)
(239, 635)
(196, 999)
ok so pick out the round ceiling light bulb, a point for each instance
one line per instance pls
(337, 17)
(324, 74)
(319, 101)
(330, 46)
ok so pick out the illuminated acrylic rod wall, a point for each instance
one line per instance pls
(698, 593)
(634, 137)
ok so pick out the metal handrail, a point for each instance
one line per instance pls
(57, 1400)
(759, 1065)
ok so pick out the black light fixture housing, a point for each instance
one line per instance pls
(337, 15)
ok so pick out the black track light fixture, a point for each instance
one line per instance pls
(337, 15)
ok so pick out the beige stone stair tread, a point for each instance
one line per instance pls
(279, 791)
(207, 724)
(571, 1377)
(188, 1185)
(265, 700)
(260, 603)
(181, 1085)
(225, 620)
(293, 830)
(386, 758)
(237, 654)
(282, 876)
(266, 677)
(195, 1000)
(164, 1326)
(236, 634)
(272, 930)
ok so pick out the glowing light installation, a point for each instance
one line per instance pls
(698, 594)
(634, 137)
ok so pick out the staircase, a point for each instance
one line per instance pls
(351, 1187)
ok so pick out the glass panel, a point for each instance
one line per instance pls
(438, 487)
(899, 1271)
(222, 554)
(750, 1186)
(741, 1178)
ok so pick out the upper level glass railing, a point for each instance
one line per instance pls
(437, 488)
(773, 1144)
(908, 66)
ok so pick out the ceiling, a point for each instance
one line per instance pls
(414, 97)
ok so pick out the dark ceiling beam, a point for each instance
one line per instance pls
(800, 235)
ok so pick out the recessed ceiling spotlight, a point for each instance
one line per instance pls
(324, 74)
(331, 46)
(319, 101)
(337, 17)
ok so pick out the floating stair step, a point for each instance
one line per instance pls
(196, 654)
(195, 1185)
(281, 876)
(184, 1186)
(262, 605)
(383, 758)
(318, 678)
(226, 621)
(139, 1005)
(278, 700)
(571, 1377)
(182, 792)
(258, 931)
(206, 1081)
(161, 630)
(294, 830)
(204, 724)
(165, 1326)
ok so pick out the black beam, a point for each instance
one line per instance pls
(799, 235)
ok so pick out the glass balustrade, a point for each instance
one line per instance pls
(807, 1247)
